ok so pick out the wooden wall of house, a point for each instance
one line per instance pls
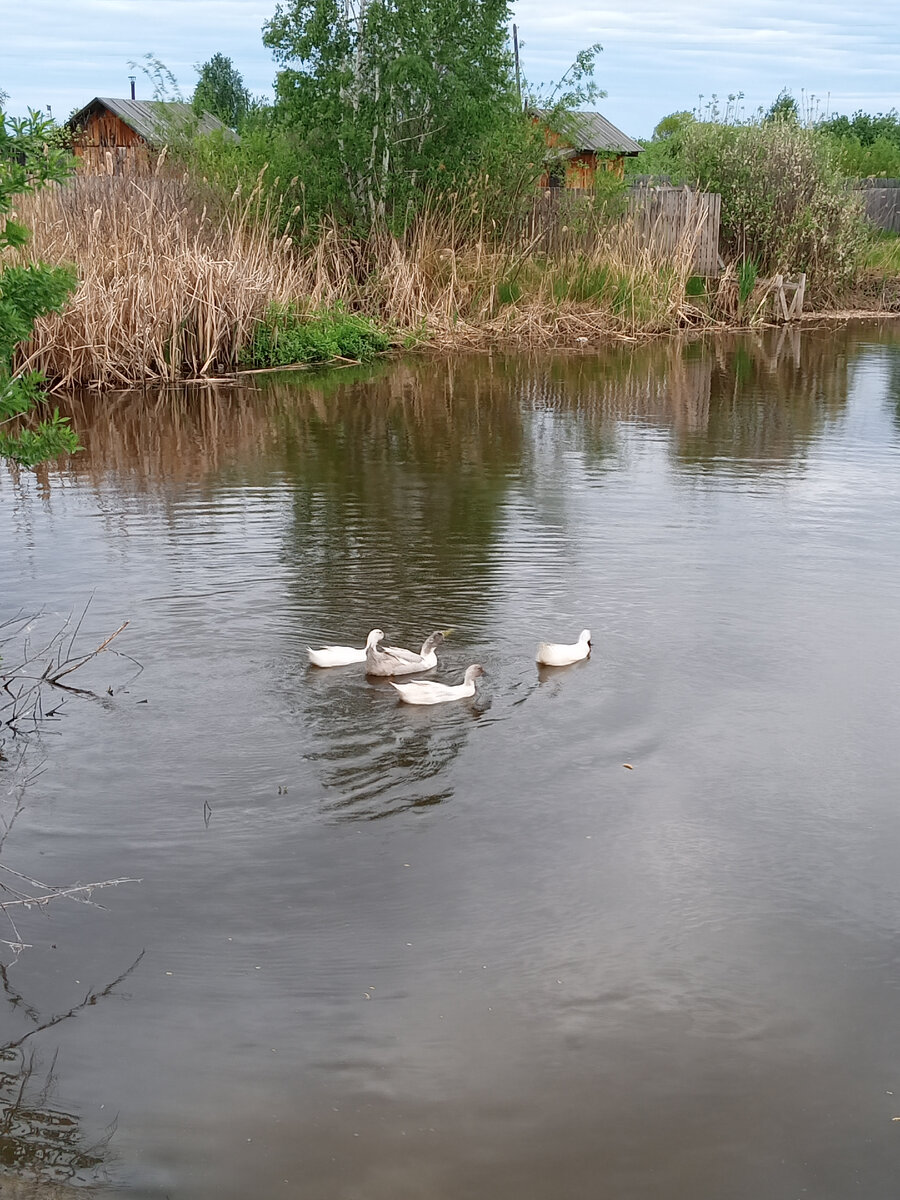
(106, 145)
(580, 171)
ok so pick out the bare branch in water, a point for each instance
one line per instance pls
(24, 715)
(33, 671)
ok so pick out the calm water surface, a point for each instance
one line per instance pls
(396, 954)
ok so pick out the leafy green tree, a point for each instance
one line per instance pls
(30, 157)
(394, 98)
(866, 144)
(220, 90)
(783, 108)
(663, 152)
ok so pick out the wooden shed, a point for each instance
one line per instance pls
(110, 135)
(588, 143)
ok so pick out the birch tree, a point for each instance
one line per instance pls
(391, 97)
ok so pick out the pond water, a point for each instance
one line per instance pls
(394, 954)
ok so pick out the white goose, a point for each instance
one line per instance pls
(554, 654)
(335, 656)
(424, 691)
(392, 660)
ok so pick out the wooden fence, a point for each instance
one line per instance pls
(663, 219)
(881, 199)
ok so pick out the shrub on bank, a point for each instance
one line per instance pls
(785, 205)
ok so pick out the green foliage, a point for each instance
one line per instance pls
(288, 336)
(866, 128)
(783, 108)
(610, 195)
(784, 201)
(220, 90)
(663, 153)
(509, 291)
(747, 275)
(695, 286)
(883, 254)
(30, 157)
(866, 144)
(377, 107)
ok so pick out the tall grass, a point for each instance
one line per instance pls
(169, 285)
(174, 285)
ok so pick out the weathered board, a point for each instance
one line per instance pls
(882, 205)
(665, 220)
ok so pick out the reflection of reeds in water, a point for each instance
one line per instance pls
(750, 397)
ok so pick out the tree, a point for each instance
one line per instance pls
(394, 97)
(783, 108)
(30, 157)
(220, 90)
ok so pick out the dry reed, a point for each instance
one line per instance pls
(171, 287)
(167, 287)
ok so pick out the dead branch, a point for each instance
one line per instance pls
(24, 682)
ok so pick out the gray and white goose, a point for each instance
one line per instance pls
(393, 660)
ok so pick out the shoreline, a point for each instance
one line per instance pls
(491, 343)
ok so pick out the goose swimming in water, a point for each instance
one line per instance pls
(335, 656)
(554, 654)
(392, 660)
(424, 691)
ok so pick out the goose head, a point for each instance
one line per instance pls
(585, 638)
(376, 636)
(432, 642)
(474, 672)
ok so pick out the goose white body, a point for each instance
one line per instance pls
(426, 691)
(555, 654)
(393, 660)
(335, 656)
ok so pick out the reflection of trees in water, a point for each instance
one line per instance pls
(431, 437)
(38, 1140)
(748, 401)
(889, 338)
(398, 491)
(770, 396)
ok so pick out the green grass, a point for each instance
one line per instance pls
(287, 336)
(883, 254)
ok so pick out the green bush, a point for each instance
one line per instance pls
(785, 204)
(31, 157)
(287, 336)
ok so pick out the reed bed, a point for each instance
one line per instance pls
(168, 288)
(172, 283)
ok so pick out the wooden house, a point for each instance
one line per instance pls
(112, 136)
(586, 144)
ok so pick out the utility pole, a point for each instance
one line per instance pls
(516, 52)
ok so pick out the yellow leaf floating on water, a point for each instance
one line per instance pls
(628, 766)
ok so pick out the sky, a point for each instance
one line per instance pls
(658, 57)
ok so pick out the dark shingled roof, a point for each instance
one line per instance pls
(590, 131)
(154, 120)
